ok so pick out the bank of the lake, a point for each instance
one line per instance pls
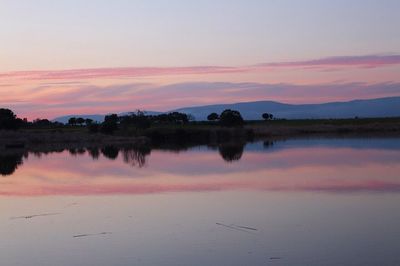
(193, 133)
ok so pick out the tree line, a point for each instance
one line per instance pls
(112, 122)
(233, 118)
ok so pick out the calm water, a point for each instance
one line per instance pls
(294, 202)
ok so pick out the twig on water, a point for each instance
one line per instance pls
(34, 215)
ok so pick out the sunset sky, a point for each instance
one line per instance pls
(89, 57)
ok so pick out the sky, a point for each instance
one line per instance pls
(87, 57)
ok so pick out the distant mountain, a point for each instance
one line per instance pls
(97, 118)
(381, 107)
(64, 119)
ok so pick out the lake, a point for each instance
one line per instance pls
(317, 201)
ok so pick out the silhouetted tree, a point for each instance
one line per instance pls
(138, 120)
(231, 118)
(178, 118)
(111, 118)
(41, 122)
(212, 117)
(8, 119)
(72, 121)
(267, 116)
(80, 121)
(88, 121)
(110, 124)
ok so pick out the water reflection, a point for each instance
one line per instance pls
(302, 197)
(94, 153)
(231, 152)
(268, 144)
(9, 163)
(76, 151)
(330, 165)
(110, 152)
(136, 157)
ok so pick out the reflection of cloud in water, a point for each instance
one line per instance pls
(101, 171)
(117, 188)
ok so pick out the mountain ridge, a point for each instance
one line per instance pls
(378, 107)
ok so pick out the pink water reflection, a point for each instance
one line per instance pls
(340, 169)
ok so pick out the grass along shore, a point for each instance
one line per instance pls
(194, 133)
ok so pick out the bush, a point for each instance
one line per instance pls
(110, 124)
(212, 117)
(8, 119)
(231, 118)
(267, 116)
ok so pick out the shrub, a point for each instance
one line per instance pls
(231, 118)
(8, 119)
(212, 117)
(267, 116)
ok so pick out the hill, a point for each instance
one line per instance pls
(381, 107)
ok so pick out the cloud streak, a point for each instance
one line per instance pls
(338, 63)
(49, 94)
(47, 101)
(365, 61)
(121, 72)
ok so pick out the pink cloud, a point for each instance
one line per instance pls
(52, 93)
(328, 63)
(48, 101)
(288, 169)
(94, 73)
(334, 63)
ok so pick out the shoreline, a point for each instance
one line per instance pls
(195, 134)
